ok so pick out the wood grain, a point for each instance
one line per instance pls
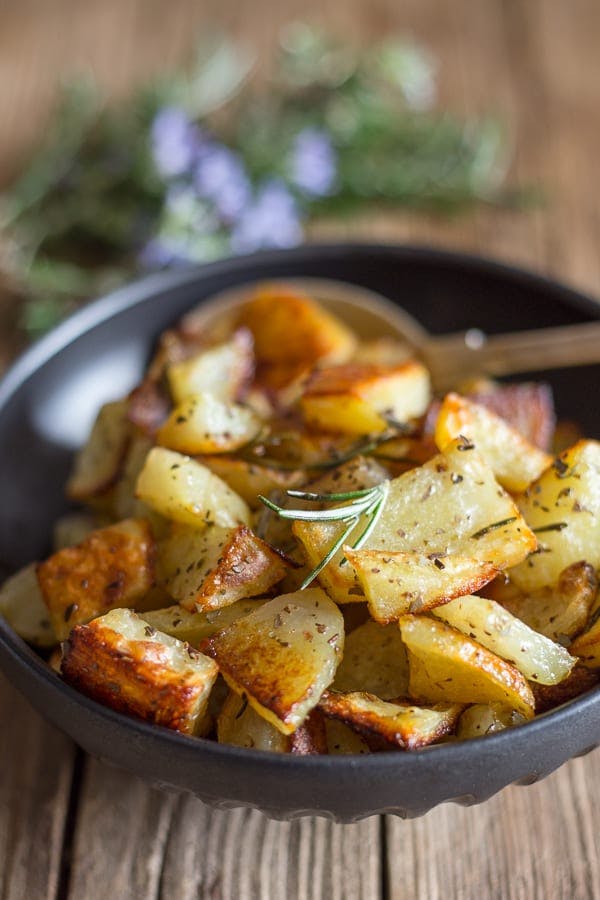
(36, 768)
(175, 847)
(536, 66)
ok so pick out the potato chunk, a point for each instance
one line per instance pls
(486, 718)
(205, 424)
(535, 656)
(290, 327)
(98, 463)
(374, 662)
(22, 605)
(181, 489)
(224, 370)
(514, 461)
(121, 661)
(209, 568)
(563, 508)
(112, 567)
(447, 666)
(195, 627)
(239, 724)
(587, 645)
(400, 725)
(450, 505)
(396, 583)
(249, 479)
(559, 611)
(283, 655)
(360, 399)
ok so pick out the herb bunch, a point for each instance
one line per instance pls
(202, 163)
(368, 502)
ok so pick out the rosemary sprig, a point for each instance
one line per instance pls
(368, 502)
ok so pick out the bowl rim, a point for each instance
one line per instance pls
(98, 311)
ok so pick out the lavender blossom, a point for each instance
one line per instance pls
(174, 141)
(220, 177)
(270, 220)
(313, 163)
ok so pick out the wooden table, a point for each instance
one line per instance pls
(73, 827)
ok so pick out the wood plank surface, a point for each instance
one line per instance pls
(536, 65)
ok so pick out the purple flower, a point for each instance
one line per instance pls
(221, 178)
(313, 163)
(175, 141)
(160, 252)
(270, 220)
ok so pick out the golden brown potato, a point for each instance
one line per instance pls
(224, 370)
(558, 611)
(514, 461)
(121, 661)
(537, 657)
(310, 738)
(205, 424)
(249, 479)
(98, 463)
(580, 679)
(486, 718)
(213, 567)
(22, 605)
(361, 399)
(289, 327)
(563, 508)
(342, 740)
(181, 489)
(447, 666)
(374, 662)
(195, 627)
(112, 567)
(587, 646)
(400, 582)
(400, 725)
(283, 655)
(527, 406)
(450, 505)
(239, 724)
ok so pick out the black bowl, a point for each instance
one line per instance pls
(47, 401)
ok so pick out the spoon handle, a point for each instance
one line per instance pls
(453, 357)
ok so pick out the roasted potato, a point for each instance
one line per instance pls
(450, 505)
(112, 567)
(195, 627)
(22, 605)
(537, 657)
(213, 567)
(98, 463)
(183, 490)
(563, 508)
(205, 424)
(224, 370)
(400, 725)
(283, 655)
(559, 611)
(446, 666)
(362, 399)
(374, 662)
(121, 661)
(514, 461)
(481, 719)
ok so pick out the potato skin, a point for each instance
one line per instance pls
(112, 567)
(132, 677)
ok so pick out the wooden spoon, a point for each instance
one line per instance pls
(450, 358)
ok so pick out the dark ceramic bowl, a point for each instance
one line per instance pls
(47, 402)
